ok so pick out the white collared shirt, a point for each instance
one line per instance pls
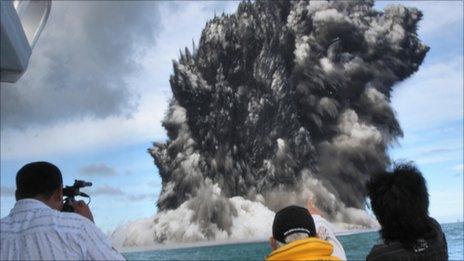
(329, 235)
(35, 231)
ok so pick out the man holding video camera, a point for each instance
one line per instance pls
(36, 229)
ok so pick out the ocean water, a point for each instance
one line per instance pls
(356, 246)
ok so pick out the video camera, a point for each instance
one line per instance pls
(70, 192)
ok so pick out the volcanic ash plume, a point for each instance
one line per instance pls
(280, 101)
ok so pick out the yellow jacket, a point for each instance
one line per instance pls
(304, 249)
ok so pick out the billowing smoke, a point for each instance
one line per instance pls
(282, 101)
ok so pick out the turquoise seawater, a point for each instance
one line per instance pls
(356, 246)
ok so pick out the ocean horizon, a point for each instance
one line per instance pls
(357, 245)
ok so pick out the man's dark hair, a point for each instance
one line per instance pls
(37, 178)
(400, 202)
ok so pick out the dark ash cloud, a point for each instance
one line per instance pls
(97, 170)
(82, 63)
(282, 100)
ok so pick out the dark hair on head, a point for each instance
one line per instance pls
(37, 179)
(400, 202)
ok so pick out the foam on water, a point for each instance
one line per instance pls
(251, 222)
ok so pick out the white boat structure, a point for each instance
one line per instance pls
(21, 25)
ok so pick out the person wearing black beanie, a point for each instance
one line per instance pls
(295, 237)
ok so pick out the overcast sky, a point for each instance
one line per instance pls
(97, 88)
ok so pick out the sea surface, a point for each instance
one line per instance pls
(356, 246)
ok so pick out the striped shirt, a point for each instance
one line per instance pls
(34, 231)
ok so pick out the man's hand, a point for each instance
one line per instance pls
(322, 233)
(82, 209)
(273, 243)
(313, 210)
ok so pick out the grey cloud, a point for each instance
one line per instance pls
(437, 151)
(110, 191)
(97, 170)
(216, 6)
(141, 197)
(220, 7)
(82, 63)
(7, 191)
(106, 190)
